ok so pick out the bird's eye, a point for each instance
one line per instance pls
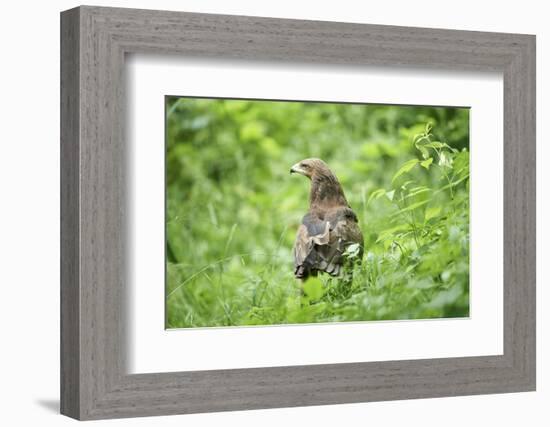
(303, 165)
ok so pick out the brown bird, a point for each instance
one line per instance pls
(329, 227)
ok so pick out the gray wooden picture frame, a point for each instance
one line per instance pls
(94, 381)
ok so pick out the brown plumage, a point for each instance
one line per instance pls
(329, 226)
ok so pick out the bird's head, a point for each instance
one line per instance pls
(311, 168)
(325, 188)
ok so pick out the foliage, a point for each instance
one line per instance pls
(233, 211)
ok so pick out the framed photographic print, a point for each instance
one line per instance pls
(262, 213)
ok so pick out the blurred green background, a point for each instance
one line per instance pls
(233, 210)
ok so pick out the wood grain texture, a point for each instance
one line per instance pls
(94, 380)
(70, 292)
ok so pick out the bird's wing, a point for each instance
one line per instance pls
(345, 225)
(320, 243)
(313, 231)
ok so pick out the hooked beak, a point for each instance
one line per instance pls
(297, 169)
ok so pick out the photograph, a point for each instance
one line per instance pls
(299, 212)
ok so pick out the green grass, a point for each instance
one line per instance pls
(233, 211)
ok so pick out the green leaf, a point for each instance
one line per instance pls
(406, 184)
(420, 142)
(435, 144)
(461, 164)
(314, 288)
(406, 167)
(376, 194)
(423, 151)
(416, 191)
(390, 232)
(417, 137)
(452, 184)
(426, 163)
(432, 213)
(429, 128)
(411, 207)
(421, 139)
(438, 144)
